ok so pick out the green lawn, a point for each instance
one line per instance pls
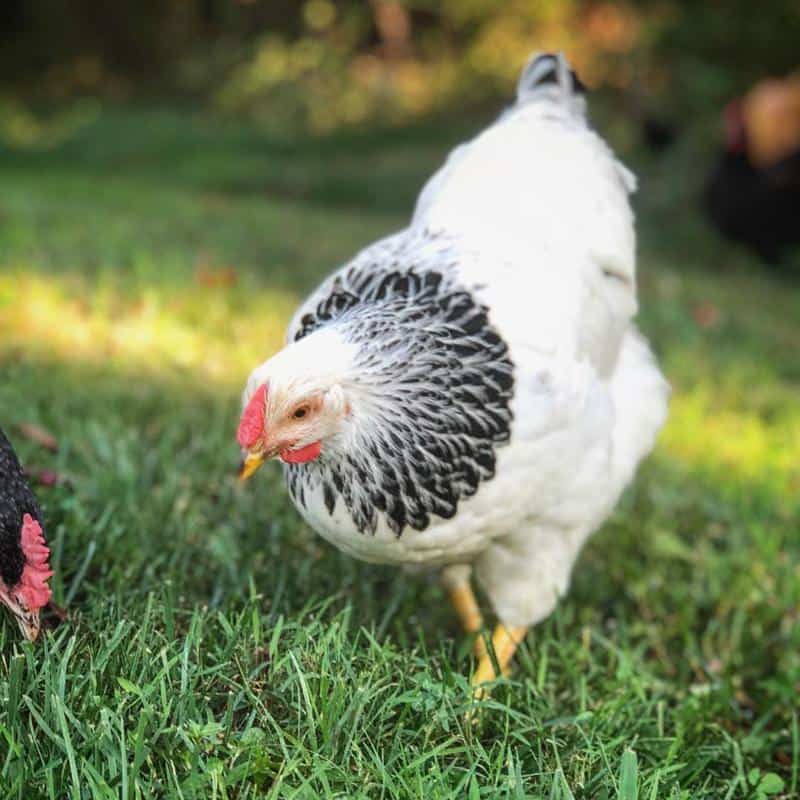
(218, 649)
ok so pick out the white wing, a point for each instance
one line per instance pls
(542, 197)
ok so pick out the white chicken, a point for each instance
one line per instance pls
(471, 393)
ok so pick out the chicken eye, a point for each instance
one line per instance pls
(299, 413)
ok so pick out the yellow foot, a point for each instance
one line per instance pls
(505, 641)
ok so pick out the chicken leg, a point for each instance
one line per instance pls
(456, 580)
(505, 641)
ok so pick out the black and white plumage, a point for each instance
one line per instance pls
(471, 391)
(427, 344)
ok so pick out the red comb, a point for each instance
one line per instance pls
(251, 426)
(33, 583)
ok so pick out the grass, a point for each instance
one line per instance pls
(218, 649)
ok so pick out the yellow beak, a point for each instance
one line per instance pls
(249, 465)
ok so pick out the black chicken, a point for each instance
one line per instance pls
(755, 203)
(24, 555)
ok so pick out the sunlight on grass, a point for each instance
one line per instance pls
(218, 333)
(738, 443)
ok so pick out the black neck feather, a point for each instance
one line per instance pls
(439, 381)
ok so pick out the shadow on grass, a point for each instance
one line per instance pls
(372, 172)
(142, 198)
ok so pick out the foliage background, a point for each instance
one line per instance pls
(324, 63)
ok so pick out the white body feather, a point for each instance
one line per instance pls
(533, 214)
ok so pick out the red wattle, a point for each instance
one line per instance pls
(301, 456)
(251, 426)
(33, 582)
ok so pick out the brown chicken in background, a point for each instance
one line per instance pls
(753, 193)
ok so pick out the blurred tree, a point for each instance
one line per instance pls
(331, 62)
